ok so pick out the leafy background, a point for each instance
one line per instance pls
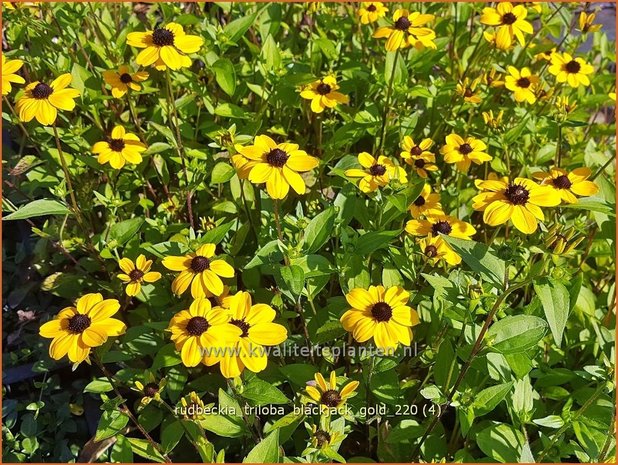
(541, 386)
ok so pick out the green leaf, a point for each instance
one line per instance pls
(216, 235)
(166, 132)
(514, 334)
(556, 305)
(501, 442)
(222, 172)
(269, 253)
(299, 373)
(121, 452)
(223, 426)
(267, 450)
(489, 398)
(122, 232)
(592, 204)
(319, 230)
(329, 331)
(98, 386)
(294, 278)
(478, 257)
(171, 433)
(225, 74)
(111, 422)
(259, 392)
(41, 207)
(374, 240)
(271, 54)
(144, 449)
(237, 28)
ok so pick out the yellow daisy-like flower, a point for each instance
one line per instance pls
(426, 204)
(518, 201)
(76, 330)
(382, 314)
(137, 273)
(376, 173)
(222, 300)
(277, 165)
(123, 80)
(464, 151)
(564, 106)
(42, 101)
(324, 438)
(546, 55)
(256, 328)
(122, 147)
(585, 23)
(370, 12)
(407, 31)
(492, 121)
(568, 69)
(242, 164)
(327, 396)
(612, 95)
(9, 68)
(200, 270)
(434, 249)
(522, 83)
(568, 185)
(200, 330)
(468, 90)
(151, 390)
(165, 46)
(510, 22)
(440, 224)
(323, 94)
(418, 156)
(193, 408)
(492, 78)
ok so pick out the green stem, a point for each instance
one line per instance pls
(389, 93)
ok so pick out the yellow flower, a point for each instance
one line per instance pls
(464, 151)
(370, 12)
(122, 147)
(546, 55)
(200, 270)
(407, 31)
(418, 156)
(9, 68)
(256, 328)
(567, 185)
(523, 84)
(327, 396)
(137, 273)
(192, 407)
(492, 121)
(518, 201)
(564, 106)
(468, 90)
(324, 438)
(612, 95)
(492, 78)
(151, 390)
(123, 80)
(440, 224)
(222, 300)
(377, 173)
(165, 46)
(585, 23)
(426, 204)
(42, 101)
(277, 165)
(434, 249)
(76, 330)
(201, 330)
(560, 241)
(323, 94)
(241, 163)
(510, 22)
(569, 69)
(382, 314)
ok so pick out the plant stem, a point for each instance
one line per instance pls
(67, 177)
(389, 93)
(179, 147)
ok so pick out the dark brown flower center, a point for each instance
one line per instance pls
(116, 145)
(199, 264)
(162, 37)
(381, 311)
(573, 67)
(509, 18)
(420, 163)
(377, 170)
(431, 251)
(151, 389)
(243, 325)
(465, 149)
(331, 398)
(523, 82)
(41, 91)
(516, 194)
(420, 201)
(78, 323)
(416, 150)
(213, 301)
(277, 158)
(371, 7)
(402, 23)
(562, 182)
(442, 227)
(322, 437)
(323, 89)
(197, 325)
(126, 78)
(468, 92)
(136, 275)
